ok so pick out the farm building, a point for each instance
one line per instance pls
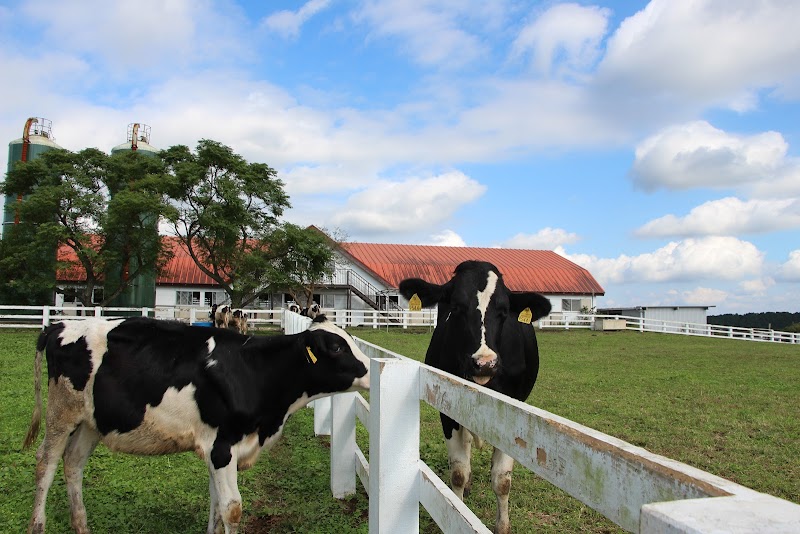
(682, 314)
(367, 276)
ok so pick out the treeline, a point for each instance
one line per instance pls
(773, 320)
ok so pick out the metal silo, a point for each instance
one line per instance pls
(142, 292)
(37, 138)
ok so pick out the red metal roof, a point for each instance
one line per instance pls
(181, 269)
(543, 271)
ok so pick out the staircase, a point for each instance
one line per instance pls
(363, 289)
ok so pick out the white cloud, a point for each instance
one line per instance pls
(138, 39)
(545, 239)
(287, 23)
(704, 296)
(727, 216)
(712, 258)
(413, 205)
(432, 32)
(716, 52)
(446, 238)
(565, 37)
(757, 286)
(698, 155)
(790, 271)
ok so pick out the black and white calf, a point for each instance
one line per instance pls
(484, 334)
(144, 386)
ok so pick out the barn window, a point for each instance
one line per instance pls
(187, 298)
(214, 297)
(571, 305)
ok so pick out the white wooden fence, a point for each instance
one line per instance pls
(38, 316)
(636, 489)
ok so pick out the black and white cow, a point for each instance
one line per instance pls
(221, 315)
(145, 386)
(293, 307)
(484, 334)
(238, 321)
(312, 311)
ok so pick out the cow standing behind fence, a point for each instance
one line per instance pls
(484, 334)
(145, 386)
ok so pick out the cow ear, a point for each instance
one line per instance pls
(430, 294)
(539, 305)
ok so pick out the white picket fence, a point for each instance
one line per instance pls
(38, 316)
(636, 489)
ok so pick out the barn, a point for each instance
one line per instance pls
(366, 276)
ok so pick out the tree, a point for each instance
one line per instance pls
(308, 260)
(227, 217)
(104, 208)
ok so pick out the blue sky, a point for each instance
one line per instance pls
(654, 143)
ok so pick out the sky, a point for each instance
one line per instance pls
(653, 143)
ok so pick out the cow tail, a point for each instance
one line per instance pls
(36, 418)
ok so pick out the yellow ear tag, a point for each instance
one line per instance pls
(311, 358)
(525, 316)
(415, 304)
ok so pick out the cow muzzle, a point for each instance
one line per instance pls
(484, 365)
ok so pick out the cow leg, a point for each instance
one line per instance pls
(63, 413)
(502, 465)
(214, 518)
(228, 499)
(459, 453)
(79, 447)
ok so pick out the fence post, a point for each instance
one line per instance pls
(322, 416)
(343, 444)
(45, 316)
(394, 446)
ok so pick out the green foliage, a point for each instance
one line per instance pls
(227, 216)
(773, 320)
(19, 283)
(104, 208)
(308, 257)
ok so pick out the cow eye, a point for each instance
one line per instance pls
(336, 349)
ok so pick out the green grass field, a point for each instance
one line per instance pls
(727, 407)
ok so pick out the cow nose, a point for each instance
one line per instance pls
(485, 359)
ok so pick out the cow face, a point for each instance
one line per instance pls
(337, 364)
(474, 307)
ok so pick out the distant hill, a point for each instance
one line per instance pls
(774, 320)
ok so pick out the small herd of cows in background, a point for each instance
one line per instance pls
(226, 317)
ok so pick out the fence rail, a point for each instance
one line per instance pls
(636, 489)
(38, 316)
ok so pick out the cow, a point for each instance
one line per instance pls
(146, 386)
(312, 311)
(221, 315)
(484, 333)
(238, 321)
(293, 307)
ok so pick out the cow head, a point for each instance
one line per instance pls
(475, 308)
(337, 364)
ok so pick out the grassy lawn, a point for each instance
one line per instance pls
(727, 407)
